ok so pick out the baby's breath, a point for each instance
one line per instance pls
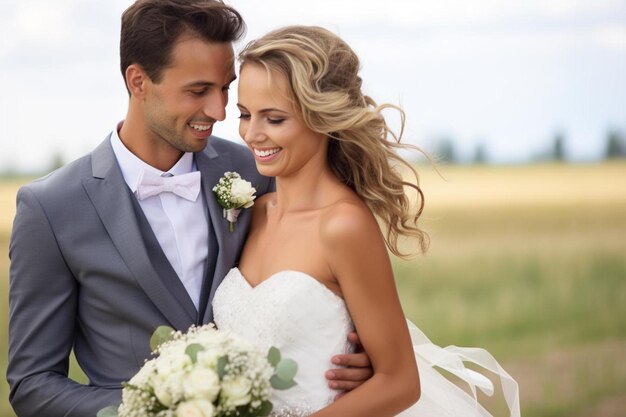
(242, 387)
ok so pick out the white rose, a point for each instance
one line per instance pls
(208, 357)
(163, 394)
(236, 391)
(242, 193)
(170, 363)
(201, 383)
(195, 408)
(168, 388)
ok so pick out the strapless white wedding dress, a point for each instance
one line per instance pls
(309, 324)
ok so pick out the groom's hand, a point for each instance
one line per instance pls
(358, 367)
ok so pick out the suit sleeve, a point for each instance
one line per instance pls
(42, 304)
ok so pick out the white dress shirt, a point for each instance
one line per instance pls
(179, 225)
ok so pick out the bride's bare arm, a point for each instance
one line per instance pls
(358, 258)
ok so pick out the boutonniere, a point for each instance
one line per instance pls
(234, 194)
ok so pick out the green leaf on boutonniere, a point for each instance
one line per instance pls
(193, 350)
(110, 411)
(161, 335)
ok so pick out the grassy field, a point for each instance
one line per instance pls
(526, 261)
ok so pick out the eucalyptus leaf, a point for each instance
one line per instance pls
(161, 335)
(110, 411)
(193, 350)
(222, 361)
(286, 369)
(281, 384)
(266, 409)
(273, 356)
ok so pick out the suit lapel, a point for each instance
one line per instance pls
(107, 191)
(213, 166)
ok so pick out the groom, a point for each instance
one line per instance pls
(131, 237)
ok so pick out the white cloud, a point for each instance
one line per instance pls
(40, 22)
(506, 71)
(613, 37)
(422, 13)
(580, 7)
(58, 33)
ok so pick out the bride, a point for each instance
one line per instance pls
(315, 265)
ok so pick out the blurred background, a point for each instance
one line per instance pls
(522, 104)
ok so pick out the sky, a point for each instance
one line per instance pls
(507, 74)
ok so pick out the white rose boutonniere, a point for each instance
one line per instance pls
(234, 194)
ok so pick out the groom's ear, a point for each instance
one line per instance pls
(136, 80)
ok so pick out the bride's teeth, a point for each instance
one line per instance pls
(268, 152)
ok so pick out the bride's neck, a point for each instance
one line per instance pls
(304, 191)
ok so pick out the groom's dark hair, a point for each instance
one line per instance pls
(150, 28)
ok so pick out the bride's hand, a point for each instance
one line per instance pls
(358, 367)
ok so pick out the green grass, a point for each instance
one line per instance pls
(535, 302)
(509, 300)
(542, 285)
(540, 281)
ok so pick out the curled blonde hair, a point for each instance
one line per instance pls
(322, 71)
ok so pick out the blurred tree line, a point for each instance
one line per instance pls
(615, 145)
(445, 151)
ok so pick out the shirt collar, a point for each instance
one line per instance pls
(132, 166)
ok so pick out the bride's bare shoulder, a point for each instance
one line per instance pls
(264, 199)
(260, 204)
(347, 221)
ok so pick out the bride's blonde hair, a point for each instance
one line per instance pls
(322, 71)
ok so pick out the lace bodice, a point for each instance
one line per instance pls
(299, 315)
(309, 323)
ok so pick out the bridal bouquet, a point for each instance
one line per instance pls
(204, 373)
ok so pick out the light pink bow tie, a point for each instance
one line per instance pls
(186, 186)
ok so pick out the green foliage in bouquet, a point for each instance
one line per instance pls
(204, 372)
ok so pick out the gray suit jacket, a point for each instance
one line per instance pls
(81, 277)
